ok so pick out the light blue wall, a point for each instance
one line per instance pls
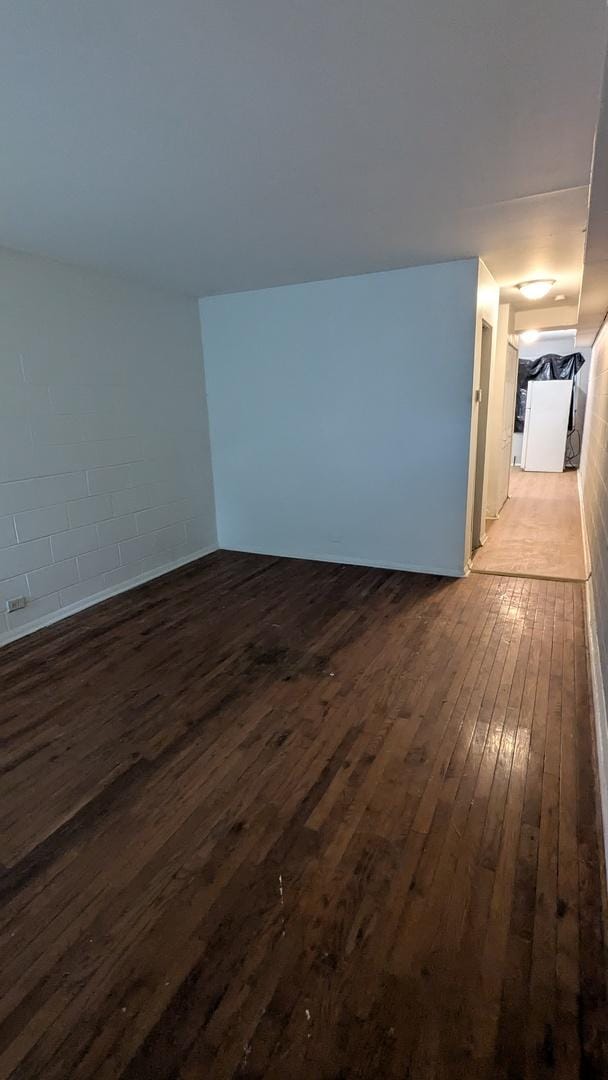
(340, 416)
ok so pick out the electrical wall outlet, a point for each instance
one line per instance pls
(17, 604)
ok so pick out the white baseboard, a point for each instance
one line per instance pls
(495, 516)
(97, 598)
(440, 571)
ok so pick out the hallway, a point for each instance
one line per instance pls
(538, 533)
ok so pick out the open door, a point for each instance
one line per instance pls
(482, 397)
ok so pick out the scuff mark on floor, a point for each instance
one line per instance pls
(282, 896)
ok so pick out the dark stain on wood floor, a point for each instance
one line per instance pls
(282, 819)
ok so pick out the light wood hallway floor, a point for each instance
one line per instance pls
(538, 532)
(287, 820)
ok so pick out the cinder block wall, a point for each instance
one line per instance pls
(105, 470)
(594, 468)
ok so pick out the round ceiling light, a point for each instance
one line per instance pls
(535, 290)
(530, 336)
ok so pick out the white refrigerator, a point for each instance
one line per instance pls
(546, 425)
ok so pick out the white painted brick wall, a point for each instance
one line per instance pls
(34, 523)
(51, 579)
(116, 529)
(97, 562)
(594, 466)
(87, 511)
(74, 542)
(105, 469)
(8, 536)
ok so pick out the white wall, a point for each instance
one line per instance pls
(516, 447)
(581, 390)
(495, 420)
(486, 311)
(593, 483)
(104, 453)
(562, 346)
(340, 416)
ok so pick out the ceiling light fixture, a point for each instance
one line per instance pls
(530, 336)
(535, 290)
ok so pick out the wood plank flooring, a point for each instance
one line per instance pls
(281, 819)
(538, 532)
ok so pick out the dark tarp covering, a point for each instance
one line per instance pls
(549, 366)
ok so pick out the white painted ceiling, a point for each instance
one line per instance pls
(217, 145)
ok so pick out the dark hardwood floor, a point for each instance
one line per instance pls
(270, 818)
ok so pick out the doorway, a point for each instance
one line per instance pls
(483, 398)
(536, 531)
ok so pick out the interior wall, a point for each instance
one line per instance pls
(594, 484)
(495, 418)
(340, 416)
(560, 345)
(517, 446)
(486, 311)
(104, 448)
(581, 390)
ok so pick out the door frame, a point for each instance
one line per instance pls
(482, 402)
(486, 312)
(511, 345)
